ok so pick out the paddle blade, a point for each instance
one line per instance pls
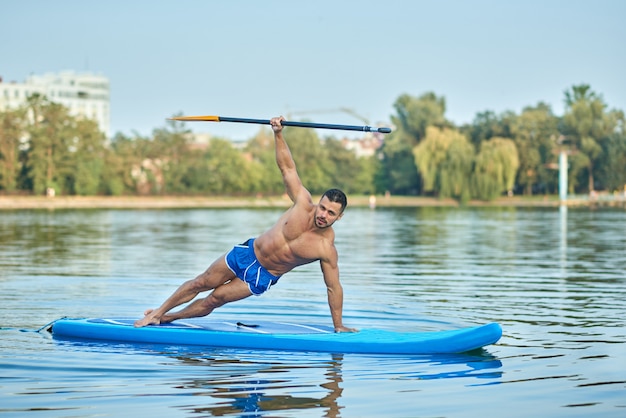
(197, 118)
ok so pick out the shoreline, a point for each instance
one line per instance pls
(192, 202)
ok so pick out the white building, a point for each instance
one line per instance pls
(85, 95)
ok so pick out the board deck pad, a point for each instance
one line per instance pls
(278, 336)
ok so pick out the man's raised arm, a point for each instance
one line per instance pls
(284, 160)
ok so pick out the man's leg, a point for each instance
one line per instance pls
(232, 291)
(217, 274)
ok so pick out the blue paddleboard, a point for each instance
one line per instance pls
(278, 336)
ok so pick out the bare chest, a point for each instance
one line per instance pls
(306, 247)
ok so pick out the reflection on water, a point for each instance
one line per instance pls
(226, 382)
(563, 241)
(553, 278)
(246, 393)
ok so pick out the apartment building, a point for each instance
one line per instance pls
(85, 94)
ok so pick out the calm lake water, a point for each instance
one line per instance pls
(553, 278)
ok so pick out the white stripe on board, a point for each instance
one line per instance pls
(177, 324)
(114, 322)
(187, 324)
(307, 327)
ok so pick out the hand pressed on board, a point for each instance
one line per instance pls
(345, 329)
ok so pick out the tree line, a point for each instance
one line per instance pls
(43, 147)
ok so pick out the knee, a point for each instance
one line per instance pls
(207, 280)
(198, 284)
(214, 301)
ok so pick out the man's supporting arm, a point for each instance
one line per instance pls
(334, 289)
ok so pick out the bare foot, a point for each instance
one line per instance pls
(148, 319)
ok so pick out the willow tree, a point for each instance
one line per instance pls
(495, 168)
(456, 169)
(444, 159)
(414, 115)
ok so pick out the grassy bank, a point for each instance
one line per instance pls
(164, 202)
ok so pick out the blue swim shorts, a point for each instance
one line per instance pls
(242, 261)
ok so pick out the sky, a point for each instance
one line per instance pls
(307, 59)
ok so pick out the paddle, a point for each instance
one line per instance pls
(284, 123)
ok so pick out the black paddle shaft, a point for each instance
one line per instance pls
(383, 130)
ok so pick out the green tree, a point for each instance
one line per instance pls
(399, 174)
(585, 123)
(88, 158)
(534, 132)
(11, 131)
(311, 158)
(495, 168)
(415, 115)
(123, 162)
(172, 147)
(265, 176)
(445, 159)
(456, 169)
(140, 162)
(429, 155)
(612, 173)
(50, 138)
(365, 174)
(345, 170)
(57, 150)
(113, 175)
(227, 171)
(487, 125)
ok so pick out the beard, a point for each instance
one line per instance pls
(321, 223)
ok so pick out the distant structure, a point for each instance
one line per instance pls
(85, 95)
(363, 147)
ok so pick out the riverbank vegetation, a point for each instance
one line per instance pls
(45, 150)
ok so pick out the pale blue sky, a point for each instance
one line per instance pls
(257, 59)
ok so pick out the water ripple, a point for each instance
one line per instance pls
(554, 280)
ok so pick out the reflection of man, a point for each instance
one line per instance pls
(251, 395)
(303, 234)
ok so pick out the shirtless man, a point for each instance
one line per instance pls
(302, 235)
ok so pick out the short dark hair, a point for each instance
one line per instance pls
(336, 195)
